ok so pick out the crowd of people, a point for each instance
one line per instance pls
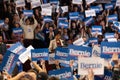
(48, 34)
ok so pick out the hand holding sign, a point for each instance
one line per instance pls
(90, 74)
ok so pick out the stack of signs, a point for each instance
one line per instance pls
(46, 9)
(112, 18)
(96, 30)
(88, 21)
(62, 74)
(118, 3)
(109, 6)
(77, 1)
(89, 13)
(1, 23)
(90, 1)
(94, 63)
(35, 3)
(73, 15)
(9, 62)
(40, 54)
(11, 57)
(62, 54)
(28, 13)
(17, 31)
(20, 3)
(107, 49)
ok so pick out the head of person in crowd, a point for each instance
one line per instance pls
(29, 21)
(16, 25)
(53, 78)
(6, 21)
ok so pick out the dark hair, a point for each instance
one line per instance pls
(42, 76)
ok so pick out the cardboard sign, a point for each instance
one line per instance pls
(18, 31)
(63, 24)
(118, 3)
(35, 4)
(103, 1)
(90, 1)
(47, 19)
(96, 8)
(109, 35)
(79, 42)
(107, 49)
(62, 74)
(40, 54)
(89, 13)
(9, 62)
(20, 3)
(96, 51)
(94, 63)
(62, 54)
(77, 1)
(112, 18)
(26, 54)
(109, 6)
(47, 11)
(73, 15)
(88, 21)
(17, 48)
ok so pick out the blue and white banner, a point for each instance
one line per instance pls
(62, 74)
(109, 35)
(77, 1)
(82, 51)
(9, 62)
(63, 24)
(109, 6)
(112, 18)
(62, 19)
(89, 13)
(54, 2)
(96, 8)
(116, 25)
(47, 19)
(93, 40)
(20, 3)
(108, 48)
(94, 63)
(17, 48)
(88, 21)
(28, 12)
(73, 15)
(40, 54)
(62, 54)
(17, 31)
(97, 29)
(2, 22)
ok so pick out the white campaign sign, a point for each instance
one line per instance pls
(79, 42)
(20, 3)
(89, 13)
(35, 4)
(94, 63)
(26, 55)
(47, 11)
(90, 1)
(77, 1)
(65, 9)
(118, 3)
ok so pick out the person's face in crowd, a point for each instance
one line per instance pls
(1, 58)
(51, 29)
(17, 25)
(116, 35)
(102, 23)
(73, 25)
(47, 25)
(75, 8)
(65, 30)
(27, 22)
(6, 20)
(58, 36)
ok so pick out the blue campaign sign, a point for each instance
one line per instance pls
(108, 48)
(40, 54)
(109, 6)
(48, 19)
(62, 19)
(109, 35)
(96, 8)
(63, 24)
(2, 22)
(93, 40)
(81, 16)
(18, 31)
(62, 54)
(96, 29)
(88, 21)
(54, 1)
(112, 18)
(82, 51)
(17, 48)
(62, 74)
(73, 15)
(28, 12)
(9, 62)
